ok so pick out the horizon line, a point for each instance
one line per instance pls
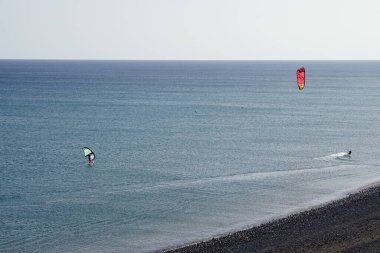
(73, 59)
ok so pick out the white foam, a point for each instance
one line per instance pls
(340, 155)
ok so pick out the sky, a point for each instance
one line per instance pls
(190, 29)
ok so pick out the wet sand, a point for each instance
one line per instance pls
(349, 225)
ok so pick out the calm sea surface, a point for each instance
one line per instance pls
(185, 150)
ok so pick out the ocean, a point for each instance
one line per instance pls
(185, 150)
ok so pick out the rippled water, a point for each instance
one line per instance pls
(185, 150)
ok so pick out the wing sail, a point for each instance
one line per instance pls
(301, 77)
(87, 151)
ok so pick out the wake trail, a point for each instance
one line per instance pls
(253, 176)
(340, 155)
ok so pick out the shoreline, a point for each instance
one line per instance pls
(347, 224)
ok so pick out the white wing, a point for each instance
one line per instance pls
(87, 151)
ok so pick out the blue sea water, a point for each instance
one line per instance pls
(185, 150)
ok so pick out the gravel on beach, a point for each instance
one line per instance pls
(349, 225)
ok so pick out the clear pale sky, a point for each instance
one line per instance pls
(190, 29)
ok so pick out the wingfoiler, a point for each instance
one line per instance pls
(89, 154)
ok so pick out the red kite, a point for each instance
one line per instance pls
(301, 78)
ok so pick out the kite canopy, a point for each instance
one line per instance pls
(88, 152)
(301, 78)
